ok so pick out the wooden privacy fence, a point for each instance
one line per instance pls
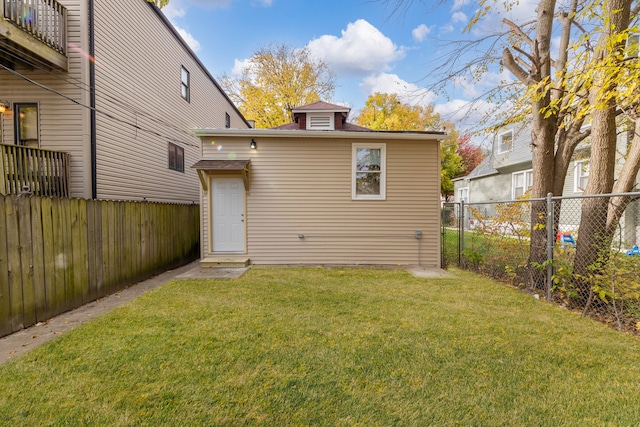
(57, 254)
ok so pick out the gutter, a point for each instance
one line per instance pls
(92, 101)
(332, 134)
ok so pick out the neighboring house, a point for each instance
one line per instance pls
(320, 190)
(506, 174)
(111, 83)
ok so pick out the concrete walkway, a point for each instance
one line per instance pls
(22, 341)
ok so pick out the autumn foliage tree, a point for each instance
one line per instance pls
(384, 111)
(471, 154)
(159, 3)
(276, 79)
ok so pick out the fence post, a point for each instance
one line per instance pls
(461, 248)
(550, 241)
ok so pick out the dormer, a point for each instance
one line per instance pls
(320, 116)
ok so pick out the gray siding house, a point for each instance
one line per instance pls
(118, 96)
(506, 174)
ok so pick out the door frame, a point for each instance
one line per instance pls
(211, 213)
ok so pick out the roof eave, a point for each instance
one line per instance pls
(333, 134)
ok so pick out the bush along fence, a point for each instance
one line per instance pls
(581, 252)
(57, 254)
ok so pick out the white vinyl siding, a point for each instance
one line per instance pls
(63, 125)
(521, 183)
(140, 108)
(137, 77)
(303, 187)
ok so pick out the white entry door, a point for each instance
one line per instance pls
(227, 223)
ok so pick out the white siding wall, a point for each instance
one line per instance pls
(138, 64)
(63, 124)
(304, 187)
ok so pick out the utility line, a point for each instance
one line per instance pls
(103, 113)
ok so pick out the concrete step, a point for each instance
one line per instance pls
(225, 261)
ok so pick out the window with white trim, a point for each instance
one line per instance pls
(186, 84)
(521, 183)
(633, 46)
(320, 121)
(368, 172)
(463, 195)
(581, 176)
(505, 142)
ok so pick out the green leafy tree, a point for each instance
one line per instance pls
(276, 79)
(384, 111)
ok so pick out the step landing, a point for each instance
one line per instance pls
(225, 261)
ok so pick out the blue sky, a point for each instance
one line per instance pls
(368, 47)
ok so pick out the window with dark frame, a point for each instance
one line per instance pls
(227, 120)
(26, 125)
(186, 84)
(176, 157)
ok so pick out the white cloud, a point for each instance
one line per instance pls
(471, 115)
(459, 17)
(518, 12)
(447, 28)
(360, 50)
(420, 32)
(408, 93)
(191, 41)
(459, 4)
(173, 10)
(475, 87)
(239, 65)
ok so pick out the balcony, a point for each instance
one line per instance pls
(34, 32)
(33, 170)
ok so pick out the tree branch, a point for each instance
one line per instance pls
(509, 62)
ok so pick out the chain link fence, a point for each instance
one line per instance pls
(579, 252)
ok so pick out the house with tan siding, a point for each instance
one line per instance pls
(319, 190)
(112, 86)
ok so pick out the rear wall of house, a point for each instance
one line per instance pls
(62, 121)
(138, 84)
(303, 187)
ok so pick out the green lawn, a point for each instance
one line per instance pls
(334, 347)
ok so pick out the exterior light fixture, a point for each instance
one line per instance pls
(4, 106)
(253, 145)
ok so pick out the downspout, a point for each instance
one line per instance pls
(92, 100)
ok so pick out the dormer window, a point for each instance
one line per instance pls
(505, 142)
(320, 121)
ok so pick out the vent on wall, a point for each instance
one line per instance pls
(319, 122)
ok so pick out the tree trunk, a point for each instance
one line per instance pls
(543, 142)
(594, 237)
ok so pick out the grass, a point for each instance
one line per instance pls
(334, 347)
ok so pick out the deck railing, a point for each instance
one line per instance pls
(33, 170)
(46, 20)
